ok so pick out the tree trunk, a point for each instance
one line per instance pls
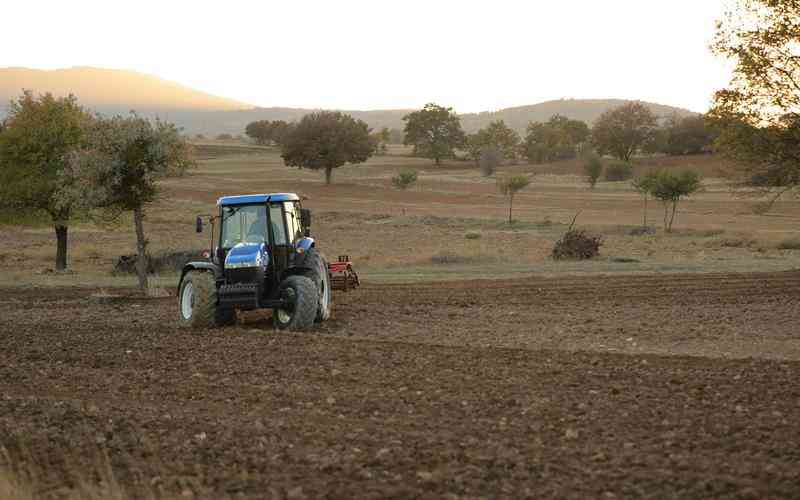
(666, 217)
(510, 207)
(438, 161)
(141, 249)
(61, 246)
(672, 217)
(328, 175)
(645, 211)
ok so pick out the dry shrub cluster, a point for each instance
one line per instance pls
(577, 244)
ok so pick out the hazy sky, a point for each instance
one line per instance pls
(345, 54)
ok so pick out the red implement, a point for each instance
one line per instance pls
(343, 276)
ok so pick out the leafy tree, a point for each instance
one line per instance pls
(224, 137)
(644, 185)
(509, 186)
(325, 140)
(381, 140)
(404, 179)
(490, 159)
(259, 131)
(757, 115)
(670, 187)
(38, 136)
(118, 173)
(279, 130)
(557, 139)
(619, 171)
(762, 37)
(593, 168)
(434, 131)
(496, 136)
(689, 135)
(623, 130)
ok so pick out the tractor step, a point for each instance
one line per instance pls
(343, 276)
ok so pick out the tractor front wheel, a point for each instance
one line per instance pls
(197, 303)
(301, 300)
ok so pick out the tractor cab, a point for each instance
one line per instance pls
(262, 256)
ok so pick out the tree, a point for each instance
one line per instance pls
(260, 131)
(557, 139)
(669, 188)
(593, 168)
(434, 131)
(38, 136)
(623, 130)
(688, 135)
(120, 169)
(224, 137)
(380, 141)
(757, 115)
(508, 186)
(404, 179)
(490, 159)
(325, 140)
(644, 185)
(496, 136)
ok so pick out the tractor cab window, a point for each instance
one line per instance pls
(278, 227)
(292, 213)
(243, 223)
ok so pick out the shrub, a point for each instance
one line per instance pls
(470, 236)
(404, 179)
(490, 159)
(593, 168)
(224, 137)
(576, 244)
(619, 171)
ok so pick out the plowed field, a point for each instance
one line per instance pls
(658, 386)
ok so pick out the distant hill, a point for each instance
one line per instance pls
(110, 91)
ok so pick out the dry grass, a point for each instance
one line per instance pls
(453, 213)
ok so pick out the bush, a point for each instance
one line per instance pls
(593, 168)
(577, 245)
(619, 171)
(404, 179)
(472, 235)
(224, 137)
(490, 159)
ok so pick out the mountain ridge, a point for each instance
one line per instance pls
(112, 91)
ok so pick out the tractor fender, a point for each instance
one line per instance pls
(200, 266)
(303, 246)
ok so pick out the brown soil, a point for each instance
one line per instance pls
(469, 389)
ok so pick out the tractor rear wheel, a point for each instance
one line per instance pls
(302, 299)
(318, 272)
(197, 303)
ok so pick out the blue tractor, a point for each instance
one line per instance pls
(262, 257)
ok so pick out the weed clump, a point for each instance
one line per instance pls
(577, 244)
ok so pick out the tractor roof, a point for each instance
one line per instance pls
(256, 198)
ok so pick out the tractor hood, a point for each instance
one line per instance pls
(247, 255)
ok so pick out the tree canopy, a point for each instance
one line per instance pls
(266, 132)
(434, 131)
(623, 130)
(558, 138)
(496, 136)
(758, 115)
(38, 136)
(119, 170)
(325, 140)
